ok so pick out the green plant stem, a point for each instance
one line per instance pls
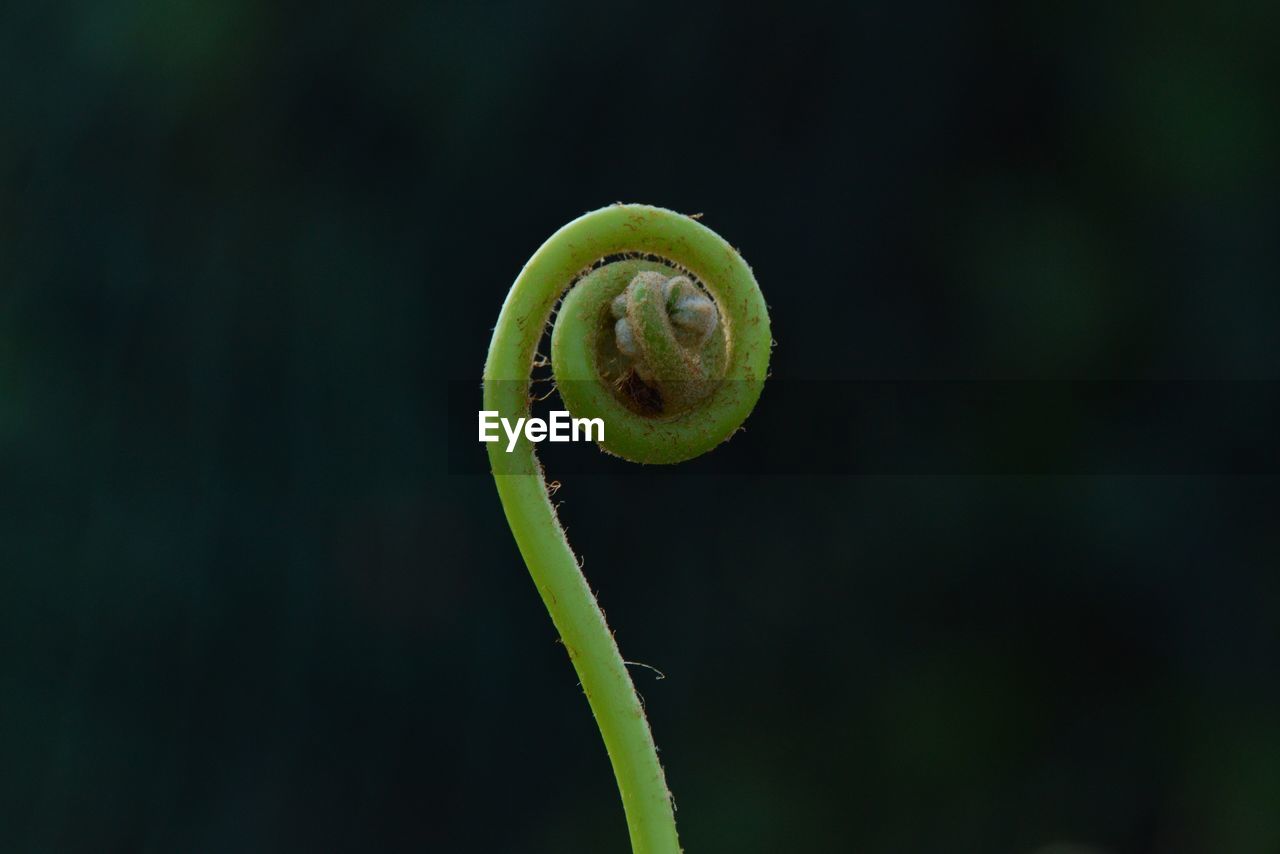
(600, 667)
(612, 231)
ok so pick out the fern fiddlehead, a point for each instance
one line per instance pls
(664, 335)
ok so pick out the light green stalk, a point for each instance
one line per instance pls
(589, 371)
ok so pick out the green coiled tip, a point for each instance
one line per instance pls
(666, 338)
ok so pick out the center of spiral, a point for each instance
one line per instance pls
(690, 317)
(663, 326)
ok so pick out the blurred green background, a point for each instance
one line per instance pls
(246, 606)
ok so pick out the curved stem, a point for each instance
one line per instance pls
(522, 488)
(595, 656)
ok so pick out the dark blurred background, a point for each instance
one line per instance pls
(249, 606)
